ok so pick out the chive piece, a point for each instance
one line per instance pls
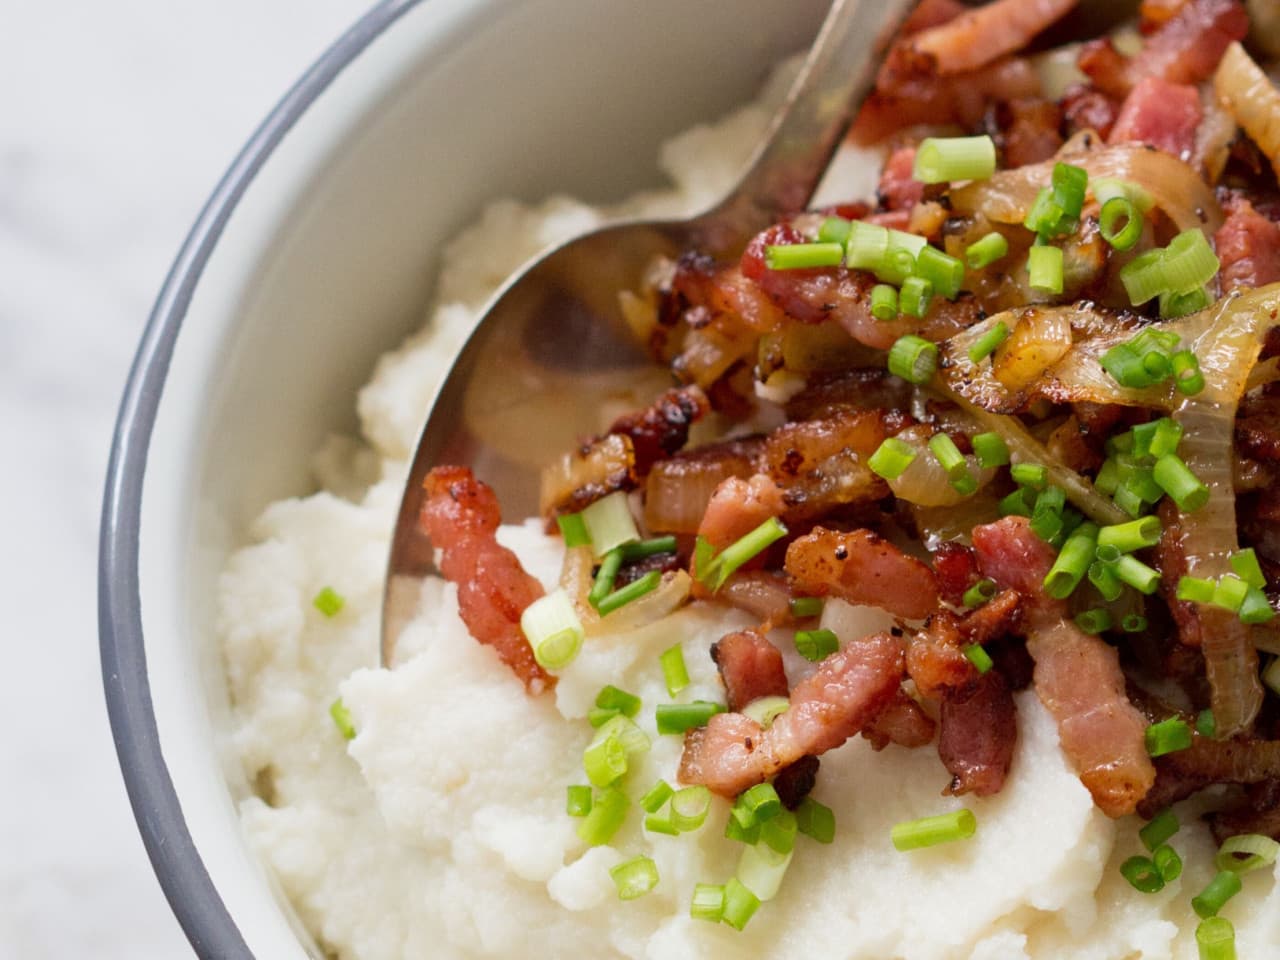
(689, 807)
(1142, 874)
(1167, 436)
(1167, 736)
(990, 449)
(632, 591)
(1124, 364)
(1120, 223)
(1188, 262)
(1195, 589)
(674, 672)
(1246, 852)
(764, 710)
(573, 529)
(1108, 479)
(779, 832)
(1104, 188)
(1072, 562)
(1186, 373)
(1213, 897)
(605, 759)
(707, 903)
(1174, 305)
(1094, 621)
(867, 247)
(1131, 536)
(891, 458)
(660, 823)
(815, 645)
(1230, 593)
(610, 523)
(914, 359)
(1133, 623)
(802, 607)
(703, 554)
(329, 602)
(740, 904)
(884, 302)
(647, 548)
(1143, 277)
(1044, 269)
(1206, 725)
(1160, 829)
(1046, 218)
(944, 271)
(607, 573)
(342, 719)
(948, 455)
(599, 716)
(1104, 578)
(605, 817)
(1245, 564)
(1183, 486)
(816, 820)
(981, 592)
(1216, 939)
(1046, 518)
(1069, 186)
(677, 718)
(986, 251)
(1256, 608)
(657, 795)
(761, 869)
(914, 298)
(986, 344)
(1127, 500)
(929, 831)
(803, 256)
(757, 804)
(635, 877)
(742, 550)
(1033, 475)
(611, 698)
(1018, 503)
(977, 654)
(733, 830)
(835, 230)
(944, 159)
(1137, 574)
(577, 800)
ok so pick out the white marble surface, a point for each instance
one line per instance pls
(116, 119)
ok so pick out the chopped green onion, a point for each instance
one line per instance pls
(1245, 564)
(1143, 277)
(703, 553)
(802, 607)
(707, 903)
(986, 345)
(914, 298)
(605, 758)
(1094, 621)
(635, 877)
(1230, 593)
(1174, 305)
(1033, 475)
(632, 591)
(740, 904)
(1046, 518)
(329, 602)
(342, 719)
(1216, 939)
(677, 718)
(689, 807)
(607, 573)
(948, 455)
(990, 449)
(756, 804)
(609, 523)
(1245, 852)
(867, 246)
(578, 800)
(981, 592)
(1104, 188)
(1046, 218)
(945, 272)
(944, 159)
(599, 716)
(1127, 500)
(884, 302)
(816, 820)
(1103, 577)
(605, 817)
(914, 359)
(1195, 589)
(1142, 874)
(1133, 623)
(1120, 223)
(1188, 262)
(1044, 269)
(929, 831)
(1167, 736)
(977, 654)
(1069, 186)
(552, 627)
(1018, 503)
(1186, 373)
(1256, 608)
(647, 548)
(1206, 725)
(660, 823)
(733, 830)
(1072, 562)
(764, 710)
(742, 550)
(674, 672)
(1137, 574)
(1168, 863)
(984, 252)
(779, 833)
(657, 795)
(1160, 829)
(803, 256)
(891, 458)
(835, 230)
(761, 869)
(1108, 479)
(815, 645)
(1131, 536)
(1212, 898)
(1167, 436)
(573, 529)
(611, 698)
(1125, 366)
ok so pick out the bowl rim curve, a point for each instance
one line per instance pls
(178, 866)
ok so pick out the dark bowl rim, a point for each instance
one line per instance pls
(204, 917)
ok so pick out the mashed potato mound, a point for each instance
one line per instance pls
(440, 830)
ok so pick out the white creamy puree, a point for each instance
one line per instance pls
(440, 831)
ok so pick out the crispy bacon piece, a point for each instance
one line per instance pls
(994, 619)
(1085, 107)
(903, 722)
(738, 507)
(858, 389)
(461, 516)
(760, 593)
(750, 666)
(795, 782)
(1171, 560)
(978, 730)
(1027, 130)
(662, 428)
(898, 189)
(1205, 762)
(1248, 245)
(957, 568)
(732, 752)
(936, 660)
(979, 36)
(862, 568)
(679, 488)
(1162, 115)
(1077, 676)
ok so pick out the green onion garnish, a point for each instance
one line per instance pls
(1018, 503)
(657, 796)
(552, 627)
(803, 256)
(329, 602)
(990, 449)
(607, 814)
(660, 823)
(740, 904)
(1256, 608)
(1094, 621)
(930, 831)
(1120, 223)
(611, 698)
(815, 645)
(950, 458)
(1072, 562)
(1103, 577)
(1046, 218)
(1143, 277)
(599, 716)
(1212, 898)
(1137, 574)
(945, 272)
(1245, 564)
(632, 591)
(1168, 863)
(779, 832)
(1167, 736)
(944, 159)
(1206, 725)
(609, 523)
(1124, 363)
(1174, 305)
(1189, 262)
(1033, 475)
(761, 869)
(634, 877)
(577, 800)
(740, 551)
(986, 251)
(802, 607)
(1133, 623)
(986, 345)
(884, 302)
(707, 903)
(1044, 269)
(1104, 188)
(689, 807)
(647, 548)
(1134, 535)
(914, 298)
(1142, 874)
(573, 529)
(676, 718)
(674, 672)
(756, 804)
(605, 758)
(764, 710)
(1160, 829)
(1230, 593)
(733, 830)
(977, 654)
(342, 719)
(914, 359)
(606, 574)
(1186, 373)
(1195, 589)
(1246, 852)
(891, 458)
(1216, 939)
(835, 230)
(1069, 186)
(981, 592)
(816, 820)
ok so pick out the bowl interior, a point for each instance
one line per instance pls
(326, 262)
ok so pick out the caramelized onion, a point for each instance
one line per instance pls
(1248, 94)
(576, 577)
(925, 482)
(679, 488)
(586, 474)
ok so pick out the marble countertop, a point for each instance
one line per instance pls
(115, 122)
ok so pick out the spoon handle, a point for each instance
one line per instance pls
(806, 131)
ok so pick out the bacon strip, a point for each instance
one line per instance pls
(750, 666)
(461, 516)
(977, 37)
(863, 568)
(979, 731)
(732, 752)
(662, 428)
(1248, 245)
(1162, 115)
(903, 722)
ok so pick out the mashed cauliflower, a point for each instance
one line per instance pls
(440, 830)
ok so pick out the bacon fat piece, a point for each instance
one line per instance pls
(1077, 676)
(849, 688)
(978, 731)
(750, 666)
(903, 722)
(461, 517)
(863, 568)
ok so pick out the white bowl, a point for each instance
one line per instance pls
(313, 256)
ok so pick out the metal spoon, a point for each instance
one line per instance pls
(553, 346)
